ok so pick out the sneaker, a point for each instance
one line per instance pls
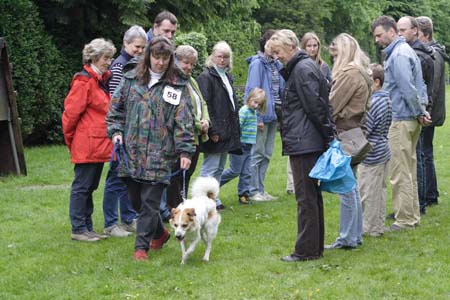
(269, 197)
(257, 198)
(140, 254)
(290, 192)
(98, 235)
(243, 199)
(157, 244)
(84, 237)
(116, 231)
(220, 207)
(129, 227)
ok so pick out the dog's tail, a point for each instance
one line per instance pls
(205, 186)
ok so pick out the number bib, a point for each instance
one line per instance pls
(171, 95)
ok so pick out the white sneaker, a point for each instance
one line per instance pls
(116, 231)
(257, 198)
(129, 227)
(269, 197)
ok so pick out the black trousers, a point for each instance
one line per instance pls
(146, 198)
(310, 218)
(175, 188)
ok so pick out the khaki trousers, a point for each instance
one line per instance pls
(372, 188)
(403, 137)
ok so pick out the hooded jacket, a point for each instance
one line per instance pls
(260, 75)
(156, 125)
(426, 56)
(306, 123)
(349, 97)
(83, 119)
(438, 109)
(224, 118)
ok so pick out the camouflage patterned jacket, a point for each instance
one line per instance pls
(156, 125)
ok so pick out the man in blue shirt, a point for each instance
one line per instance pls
(404, 82)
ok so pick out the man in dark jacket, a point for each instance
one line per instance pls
(408, 28)
(425, 32)
(306, 130)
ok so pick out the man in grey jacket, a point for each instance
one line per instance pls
(404, 82)
(425, 34)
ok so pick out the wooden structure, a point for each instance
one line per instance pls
(12, 160)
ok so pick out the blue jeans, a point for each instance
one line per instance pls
(163, 208)
(115, 193)
(426, 173)
(239, 166)
(260, 157)
(213, 165)
(81, 207)
(350, 232)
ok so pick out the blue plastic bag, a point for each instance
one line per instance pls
(334, 171)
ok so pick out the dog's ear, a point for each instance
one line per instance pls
(190, 212)
(211, 196)
(174, 211)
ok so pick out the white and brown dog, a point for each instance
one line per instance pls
(197, 217)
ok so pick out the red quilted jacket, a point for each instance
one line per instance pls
(83, 119)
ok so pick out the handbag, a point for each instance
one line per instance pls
(355, 144)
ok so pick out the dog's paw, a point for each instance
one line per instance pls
(205, 259)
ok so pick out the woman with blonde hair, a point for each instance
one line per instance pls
(349, 98)
(311, 44)
(306, 129)
(216, 86)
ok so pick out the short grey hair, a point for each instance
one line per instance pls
(284, 38)
(186, 51)
(134, 32)
(93, 51)
(426, 26)
(224, 47)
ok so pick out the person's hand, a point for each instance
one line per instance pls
(215, 138)
(185, 163)
(425, 120)
(261, 126)
(205, 125)
(117, 139)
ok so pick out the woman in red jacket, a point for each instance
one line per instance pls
(84, 127)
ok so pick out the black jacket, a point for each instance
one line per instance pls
(438, 109)
(224, 119)
(426, 56)
(306, 112)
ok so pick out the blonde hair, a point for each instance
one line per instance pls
(312, 36)
(348, 53)
(93, 51)
(225, 48)
(186, 51)
(284, 38)
(259, 96)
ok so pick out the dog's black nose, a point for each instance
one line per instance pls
(179, 237)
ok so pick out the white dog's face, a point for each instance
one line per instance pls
(182, 221)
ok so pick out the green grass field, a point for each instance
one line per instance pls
(38, 260)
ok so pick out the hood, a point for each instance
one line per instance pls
(418, 45)
(259, 55)
(441, 49)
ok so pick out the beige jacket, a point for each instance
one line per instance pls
(349, 97)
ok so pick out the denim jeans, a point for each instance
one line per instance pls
(213, 165)
(426, 173)
(260, 157)
(115, 193)
(81, 207)
(350, 232)
(164, 210)
(239, 166)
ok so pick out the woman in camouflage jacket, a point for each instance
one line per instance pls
(151, 116)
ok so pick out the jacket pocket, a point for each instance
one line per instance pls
(99, 143)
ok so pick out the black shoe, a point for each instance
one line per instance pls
(220, 207)
(390, 216)
(243, 199)
(337, 245)
(431, 202)
(292, 258)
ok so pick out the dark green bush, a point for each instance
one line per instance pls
(38, 72)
